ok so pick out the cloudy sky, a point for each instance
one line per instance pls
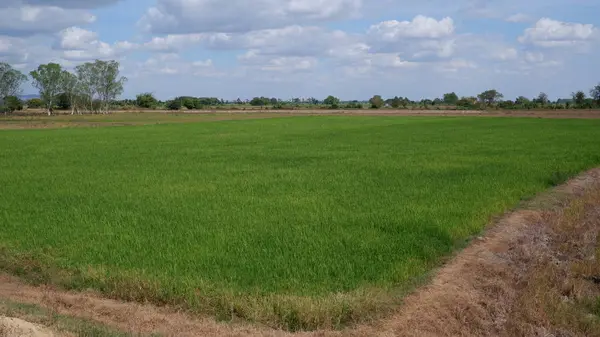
(299, 48)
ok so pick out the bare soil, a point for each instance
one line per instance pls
(533, 273)
(35, 120)
(14, 327)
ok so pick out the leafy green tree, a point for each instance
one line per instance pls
(542, 99)
(62, 102)
(579, 99)
(11, 81)
(35, 103)
(490, 97)
(260, 101)
(376, 102)
(71, 89)
(451, 98)
(146, 101)
(47, 79)
(174, 104)
(109, 82)
(11, 104)
(595, 94)
(396, 102)
(332, 101)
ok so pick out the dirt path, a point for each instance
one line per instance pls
(482, 291)
(14, 327)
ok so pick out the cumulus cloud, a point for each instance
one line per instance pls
(173, 64)
(200, 16)
(420, 27)
(551, 33)
(422, 37)
(78, 44)
(28, 20)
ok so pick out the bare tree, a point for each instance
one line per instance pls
(87, 83)
(47, 79)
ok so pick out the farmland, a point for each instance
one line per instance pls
(299, 222)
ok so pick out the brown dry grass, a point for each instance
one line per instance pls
(532, 274)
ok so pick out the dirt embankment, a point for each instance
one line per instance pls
(535, 272)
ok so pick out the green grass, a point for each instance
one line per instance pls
(286, 221)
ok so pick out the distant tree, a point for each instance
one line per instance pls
(35, 103)
(396, 102)
(467, 103)
(47, 79)
(542, 99)
(595, 94)
(451, 98)
(10, 82)
(332, 102)
(489, 97)
(260, 101)
(62, 101)
(376, 102)
(174, 104)
(273, 101)
(110, 83)
(146, 101)
(579, 99)
(71, 89)
(11, 104)
(313, 101)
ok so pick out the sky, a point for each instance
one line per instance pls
(352, 49)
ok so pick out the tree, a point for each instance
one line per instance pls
(396, 102)
(87, 77)
(332, 101)
(489, 97)
(10, 82)
(451, 98)
(174, 104)
(71, 90)
(595, 94)
(35, 103)
(146, 101)
(109, 84)
(47, 79)
(12, 104)
(542, 99)
(579, 98)
(376, 102)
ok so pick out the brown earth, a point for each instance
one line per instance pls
(536, 272)
(35, 120)
(14, 327)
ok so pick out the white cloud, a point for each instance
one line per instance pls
(551, 33)
(201, 16)
(28, 20)
(519, 17)
(506, 54)
(173, 64)
(420, 27)
(79, 44)
(284, 64)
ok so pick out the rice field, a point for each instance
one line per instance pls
(297, 222)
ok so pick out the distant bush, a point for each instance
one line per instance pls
(174, 104)
(11, 104)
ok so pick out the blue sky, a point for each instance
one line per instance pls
(300, 48)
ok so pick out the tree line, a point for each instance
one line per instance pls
(92, 88)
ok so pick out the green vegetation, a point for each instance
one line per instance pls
(296, 222)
